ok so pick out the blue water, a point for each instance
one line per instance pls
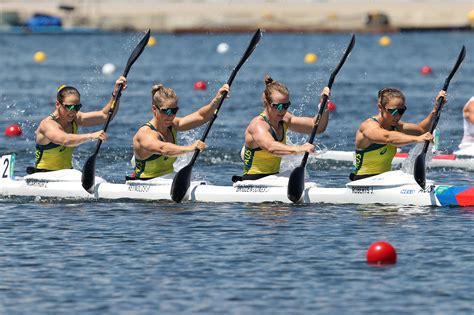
(160, 257)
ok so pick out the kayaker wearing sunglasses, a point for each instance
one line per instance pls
(155, 145)
(265, 136)
(378, 137)
(57, 135)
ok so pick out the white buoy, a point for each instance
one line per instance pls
(222, 48)
(108, 69)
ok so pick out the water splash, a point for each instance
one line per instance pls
(409, 163)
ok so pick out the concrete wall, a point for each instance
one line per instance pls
(221, 15)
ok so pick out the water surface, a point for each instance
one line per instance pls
(160, 257)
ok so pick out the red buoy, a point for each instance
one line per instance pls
(381, 253)
(331, 106)
(426, 70)
(200, 85)
(14, 130)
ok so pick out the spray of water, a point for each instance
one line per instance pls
(409, 163)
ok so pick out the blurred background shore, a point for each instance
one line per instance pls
(234, 16)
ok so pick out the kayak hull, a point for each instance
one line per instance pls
(406, 194)
(395, 187)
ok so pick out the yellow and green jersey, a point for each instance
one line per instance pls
(156, 165)
(259, 161)
(373, 160)
(52, 156)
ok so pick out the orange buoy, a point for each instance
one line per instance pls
(200, 85)
(331, 106)
(14, 130)
(426, 70)
(381, 253)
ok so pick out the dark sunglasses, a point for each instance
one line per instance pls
(396, 111)
(169, 111)
(72, 107)
(281, 106)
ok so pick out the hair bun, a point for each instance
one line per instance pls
(156, 88)
(268, 79)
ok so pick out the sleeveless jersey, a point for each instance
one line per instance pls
(259, 161)
(375, 159)
(52, 156)
(156, 165)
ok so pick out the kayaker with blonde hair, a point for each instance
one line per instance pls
(155, 145)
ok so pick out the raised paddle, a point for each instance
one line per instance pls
(296, 180)
(182, 179)
(88, 172)
(419, 167)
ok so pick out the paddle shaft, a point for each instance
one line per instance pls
(209, 125)
(439, 106)
(315, 127)
(109, 115)
(325, 98)
(182, 179)
(296, 179)
(88, 171)
(419, 172)
(440, 102)
(247, 53)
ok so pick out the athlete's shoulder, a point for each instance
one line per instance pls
(369, 123)
(49, 122)
(257, 120)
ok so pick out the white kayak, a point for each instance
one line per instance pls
(394, 187)
(460, 159)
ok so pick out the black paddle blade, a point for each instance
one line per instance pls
(342, 61)
(136, 52)
(181, 183)
(253, 43)
(88, 174)
(251, 47)
(460, 59)
(419, 172)
(296, 184)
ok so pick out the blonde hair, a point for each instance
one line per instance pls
(160, 93)
(270, 87)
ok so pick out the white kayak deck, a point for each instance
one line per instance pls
(394, 187)
(463, 159)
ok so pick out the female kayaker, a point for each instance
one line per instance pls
(56, 135)
(265, 136)
(378, 137)
(155, 145)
